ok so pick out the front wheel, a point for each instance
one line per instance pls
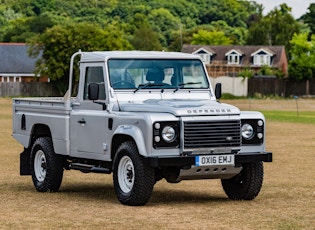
(247, 184)
(133, 178)
(46, 166)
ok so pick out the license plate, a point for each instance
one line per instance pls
(214, 160)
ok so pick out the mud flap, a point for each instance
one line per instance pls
(25, 162)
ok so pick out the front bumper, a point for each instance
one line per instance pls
(181, 161)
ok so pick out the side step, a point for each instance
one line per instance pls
(88, 168)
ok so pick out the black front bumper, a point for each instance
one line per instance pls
(181, 161)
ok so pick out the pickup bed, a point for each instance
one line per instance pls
(143, 116)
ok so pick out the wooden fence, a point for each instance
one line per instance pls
(281, 87)
(261, 86)
(26, 89)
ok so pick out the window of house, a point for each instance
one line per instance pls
(262, 59)
(233, 58)
(205, 58)
(205, 55)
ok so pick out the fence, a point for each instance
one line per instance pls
(235, 86)
(27, 89)
(281, 87)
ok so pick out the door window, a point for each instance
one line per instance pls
(94, 74)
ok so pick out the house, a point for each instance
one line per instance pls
(230, 60)
(16, 65)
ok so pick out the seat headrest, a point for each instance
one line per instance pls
(155, 74)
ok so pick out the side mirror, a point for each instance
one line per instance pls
(218, 91)
(93, 91)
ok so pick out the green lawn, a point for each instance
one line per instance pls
(290, 116)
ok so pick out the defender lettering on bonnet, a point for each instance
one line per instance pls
(143, 116)
(208, 111)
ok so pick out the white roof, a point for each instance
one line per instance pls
(103, 55)
(239, 52)
(202, 49)
(264, 50)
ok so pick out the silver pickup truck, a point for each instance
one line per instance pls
(142, 116)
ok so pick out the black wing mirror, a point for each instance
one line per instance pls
(218, 91)
(93, 91)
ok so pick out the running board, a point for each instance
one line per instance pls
(88, 168)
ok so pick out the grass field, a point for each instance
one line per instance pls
(87, 201)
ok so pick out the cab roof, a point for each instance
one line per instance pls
(98, 56)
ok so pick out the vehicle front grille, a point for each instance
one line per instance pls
(212, 134)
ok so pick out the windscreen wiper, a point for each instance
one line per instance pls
(181, 85)
(149, 84)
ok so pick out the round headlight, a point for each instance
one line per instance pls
(168, 134)
(247, 131)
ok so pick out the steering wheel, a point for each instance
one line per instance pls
(123, 84)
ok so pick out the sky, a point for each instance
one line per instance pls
(299, 7)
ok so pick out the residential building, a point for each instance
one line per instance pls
(16, 65)
(230, 60)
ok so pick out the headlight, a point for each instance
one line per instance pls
(252, 131)
(247, 131)
(168, 134)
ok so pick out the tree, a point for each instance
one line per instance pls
(146, 39)
(6, 16)
(163, 22)
(237, 35)
(178, 38)
(25, 28)
(309, 18)
(246, 73)
(276, 28)
(58, 43)
(234, 13)
(203, 37)
(302, 63)
(174, 22)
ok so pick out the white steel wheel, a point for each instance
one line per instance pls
(40, 166)
(45, 165)
(126, 174)
(133, 177)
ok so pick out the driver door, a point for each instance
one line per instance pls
(88, 120)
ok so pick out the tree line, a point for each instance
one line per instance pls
(58, 28)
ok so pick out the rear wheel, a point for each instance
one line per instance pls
(46, 166)
(133, 178)
(247, 184)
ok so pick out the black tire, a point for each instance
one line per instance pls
(133, 178)
(46, 166)
(247, 184)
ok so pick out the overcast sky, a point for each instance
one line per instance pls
(299, 7)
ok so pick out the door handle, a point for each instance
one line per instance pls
(82, 121)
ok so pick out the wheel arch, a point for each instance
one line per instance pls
(39, 130)
(128, 133)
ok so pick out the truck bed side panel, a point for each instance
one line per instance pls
(29, 113)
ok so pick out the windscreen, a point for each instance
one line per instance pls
(157, 73)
